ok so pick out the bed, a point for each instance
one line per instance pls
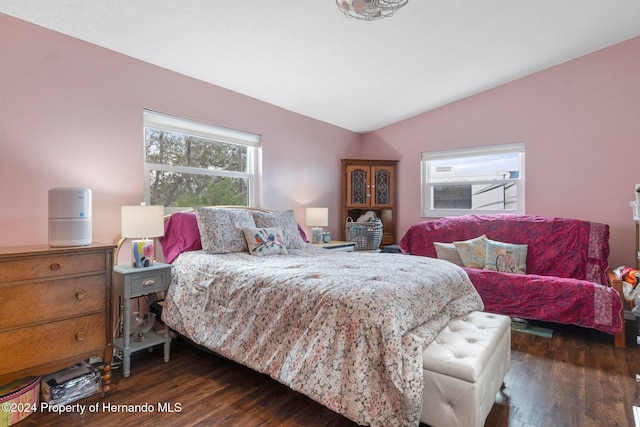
(346, 329)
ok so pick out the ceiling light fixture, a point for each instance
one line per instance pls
(369, 10)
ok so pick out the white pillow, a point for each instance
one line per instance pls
(448, 252)
(265, 241)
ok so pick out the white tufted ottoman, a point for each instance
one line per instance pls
(464, 368)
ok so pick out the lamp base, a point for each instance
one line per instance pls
(316, 235)
(143, 253)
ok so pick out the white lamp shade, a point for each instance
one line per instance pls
(142, 221)
(318, 217)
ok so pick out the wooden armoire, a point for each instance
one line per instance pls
(370, 185)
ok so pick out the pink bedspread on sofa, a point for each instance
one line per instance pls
(566, 264)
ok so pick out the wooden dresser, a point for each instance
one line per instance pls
(55, 309)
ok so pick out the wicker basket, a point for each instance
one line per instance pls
(366, 235)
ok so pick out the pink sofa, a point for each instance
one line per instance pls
(566, 264)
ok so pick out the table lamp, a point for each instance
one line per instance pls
(316, 219)
(143, 224)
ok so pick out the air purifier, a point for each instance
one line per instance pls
(69, 217)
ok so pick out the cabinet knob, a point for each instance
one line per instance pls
(55, 266)
(148, 282)
(80, 336)
(81, 295)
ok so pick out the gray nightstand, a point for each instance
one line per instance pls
(129, 282)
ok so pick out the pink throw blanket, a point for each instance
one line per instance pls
(566, 264)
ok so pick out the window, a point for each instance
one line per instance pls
(189, 163)
(484, 180)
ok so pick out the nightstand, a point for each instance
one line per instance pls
(338, 245)
(130, 282)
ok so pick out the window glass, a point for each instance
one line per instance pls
(189, 163)
(478, 180)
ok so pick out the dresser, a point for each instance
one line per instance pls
(55, 309)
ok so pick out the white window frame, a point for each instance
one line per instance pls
(175, 124)
(426, 186)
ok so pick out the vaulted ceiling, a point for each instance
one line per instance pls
(307, 57)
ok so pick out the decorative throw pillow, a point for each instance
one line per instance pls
(265, 241)
(221, 229)
(286, 220)
(448, 252)
(506, 257)
(473, 251)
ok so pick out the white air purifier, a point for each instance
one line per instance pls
(69, 217)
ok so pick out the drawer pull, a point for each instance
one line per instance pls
(80, 336)
(55, 266)
(81, 295)
(148, 282)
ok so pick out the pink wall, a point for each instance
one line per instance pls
(71, 115)
(581, 126)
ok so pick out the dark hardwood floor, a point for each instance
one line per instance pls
(575, 378)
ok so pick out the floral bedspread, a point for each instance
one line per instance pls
(345, 329)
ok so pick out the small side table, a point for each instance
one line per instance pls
(130, 282)
(338, 245)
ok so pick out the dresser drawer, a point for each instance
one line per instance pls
(27, 304)
(52, 266)
(29, 347)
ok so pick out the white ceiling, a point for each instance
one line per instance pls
(305, 56)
